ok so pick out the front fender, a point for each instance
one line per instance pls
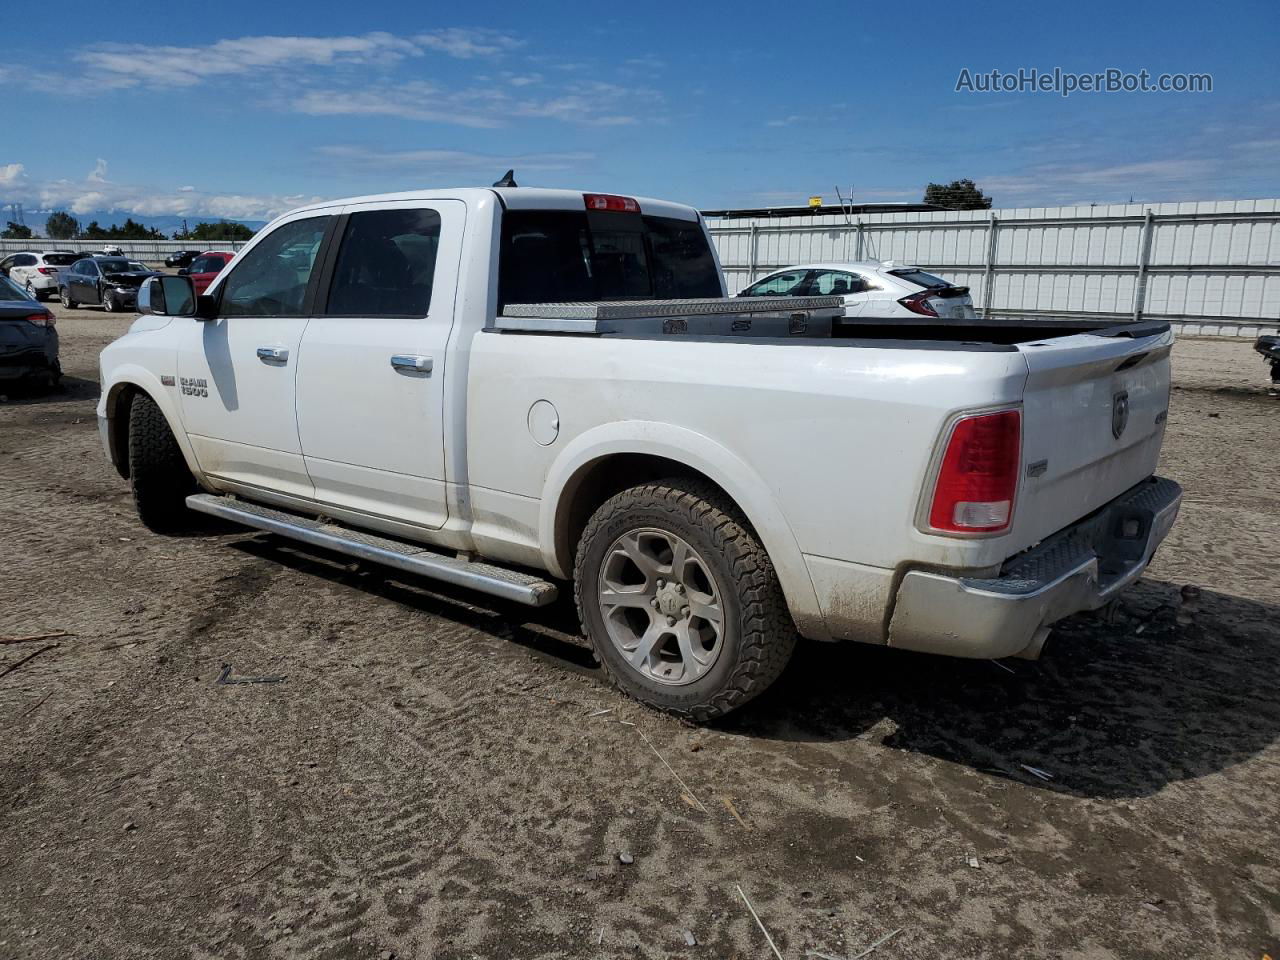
(717, 463)
(121, 378)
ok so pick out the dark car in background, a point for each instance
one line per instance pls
(181, 258)
(205, 267)
(112, 282)
(28, 339)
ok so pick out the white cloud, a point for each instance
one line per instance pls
(10, 173)
(128, 65)
(591, 104)
(411, 101)
(429, 163)
(466, 44)
(99, 172)
(92, 195)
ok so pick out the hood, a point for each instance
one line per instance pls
(132, 278)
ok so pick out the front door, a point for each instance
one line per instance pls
(371, 371)
(236, 373)
(85, 286)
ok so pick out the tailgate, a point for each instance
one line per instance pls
(1094, 410)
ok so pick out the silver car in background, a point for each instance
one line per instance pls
(871, 288)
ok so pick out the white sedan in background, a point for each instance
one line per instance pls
(871, 288)
(37, 271)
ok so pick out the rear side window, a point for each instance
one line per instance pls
(559, 255)
(386, 264)
(271, 279)
(919, 278)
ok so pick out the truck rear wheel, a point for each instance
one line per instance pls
(680, 600)
(158, 473)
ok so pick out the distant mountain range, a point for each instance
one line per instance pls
(167, 225)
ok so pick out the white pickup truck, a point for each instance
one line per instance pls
(506, 389)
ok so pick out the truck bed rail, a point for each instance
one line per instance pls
(588, 317)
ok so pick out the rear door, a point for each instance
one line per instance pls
(1094, 411)
(236, 373)
(372, 367)
(840, 283)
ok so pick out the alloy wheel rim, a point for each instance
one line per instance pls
(661, 606)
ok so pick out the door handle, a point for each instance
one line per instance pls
(273, 354)
(411, 364)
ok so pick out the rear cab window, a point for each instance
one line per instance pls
(550, 256)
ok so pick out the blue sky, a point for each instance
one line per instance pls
(246, 109)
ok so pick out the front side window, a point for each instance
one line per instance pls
(88, 268)
(24, 260)
(386, 264)
(789, 284)
(271, 279)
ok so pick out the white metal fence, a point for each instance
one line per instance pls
(1196, 264)
(148, 251)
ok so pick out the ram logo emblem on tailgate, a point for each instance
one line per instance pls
(1119, 413)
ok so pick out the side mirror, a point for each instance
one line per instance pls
(183, 271)
(167, 297)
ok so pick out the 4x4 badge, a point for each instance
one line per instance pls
(1119, 413)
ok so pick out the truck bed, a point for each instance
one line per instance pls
(787, 319)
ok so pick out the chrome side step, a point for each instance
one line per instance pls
(412, 557)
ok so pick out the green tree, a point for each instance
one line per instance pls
(61, 226)
(16, 231)
(222, 230)
(957, 195)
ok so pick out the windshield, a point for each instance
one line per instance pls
(61, 259)
(10, 290)
(112, 265)
(550, 256)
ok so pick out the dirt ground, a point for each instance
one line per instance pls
(440, 776)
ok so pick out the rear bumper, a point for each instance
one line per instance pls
(1079, 568)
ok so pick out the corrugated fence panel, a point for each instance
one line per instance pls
(1217, 260)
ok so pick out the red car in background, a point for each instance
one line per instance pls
(205, 267)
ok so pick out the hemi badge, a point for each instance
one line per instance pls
(166, 381)
(1038, 468)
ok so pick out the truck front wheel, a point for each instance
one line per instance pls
(158, 472)
(680, 600)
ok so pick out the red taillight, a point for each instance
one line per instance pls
(609, 201)
(919, 303)
(41, 319)
(979, 474)
(46, 270)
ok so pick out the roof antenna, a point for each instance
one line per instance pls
(508, 179)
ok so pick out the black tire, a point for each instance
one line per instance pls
(64, 293)
(108, 302)
(158, 474)
(758, 634)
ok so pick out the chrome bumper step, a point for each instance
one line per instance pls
(402, 555)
